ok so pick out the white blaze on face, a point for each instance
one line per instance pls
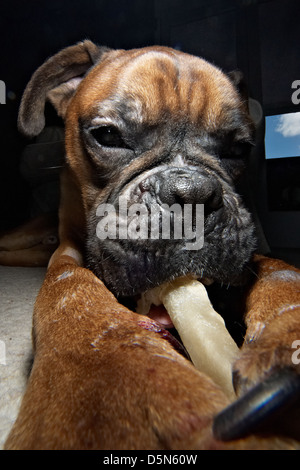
(201, 329)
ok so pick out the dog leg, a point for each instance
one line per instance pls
(272, 319)
(106, 378)
(31, 244)
(267, 373)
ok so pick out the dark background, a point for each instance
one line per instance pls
(261, 38)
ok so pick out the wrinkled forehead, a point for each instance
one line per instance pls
(150, 85)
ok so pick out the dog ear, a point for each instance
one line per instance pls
(56, 80)
(62, 94)
(238, 80)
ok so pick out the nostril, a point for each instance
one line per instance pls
(185, 187)
(176, 190)
(179, 200)
(183, 190)
(208, 191)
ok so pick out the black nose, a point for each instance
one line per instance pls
(189, 187)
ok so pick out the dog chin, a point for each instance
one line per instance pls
(131, 267)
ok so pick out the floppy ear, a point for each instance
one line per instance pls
(238, 80)
(56, 80)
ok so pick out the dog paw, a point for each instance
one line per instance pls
(267, 349)
(267, 381)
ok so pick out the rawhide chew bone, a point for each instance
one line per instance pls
(201, 329)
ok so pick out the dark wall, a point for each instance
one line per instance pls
(31, 31)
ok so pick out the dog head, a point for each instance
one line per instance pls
(156, 139)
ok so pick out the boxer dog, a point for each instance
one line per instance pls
(153, 127)
(150, 126)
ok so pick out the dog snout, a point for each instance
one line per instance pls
(189, 187)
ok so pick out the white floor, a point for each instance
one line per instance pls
(18, 290)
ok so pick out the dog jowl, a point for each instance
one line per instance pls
(157, 128)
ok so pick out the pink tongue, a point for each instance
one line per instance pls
(161, 316)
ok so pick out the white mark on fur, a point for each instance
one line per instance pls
(61, 304)
(101, 336)
(63, 301)
(286, 275)
(94, 344)
(167, 356)
(64, 275)
(255, 332)
(171, 356)
(287, 308)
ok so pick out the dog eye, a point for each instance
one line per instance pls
(108, 136)
(241, 149)
(237, 150)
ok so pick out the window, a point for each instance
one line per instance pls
(282, 135)
(282, 145)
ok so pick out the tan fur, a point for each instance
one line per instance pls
(102, 380)
(273, 321)
(103, 377)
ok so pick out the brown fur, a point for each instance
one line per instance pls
(273, 321)
(104, 378)
(100, 378)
